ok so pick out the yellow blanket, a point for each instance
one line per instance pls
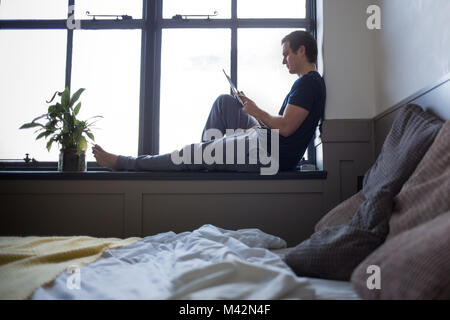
(27, 263)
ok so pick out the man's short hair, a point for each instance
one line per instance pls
(303, 38)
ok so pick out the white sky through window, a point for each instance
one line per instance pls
(197, 7)
(107, 64)
(33, 9)
(32, 68)
(191, 79)
(271, 8)
(261, 73)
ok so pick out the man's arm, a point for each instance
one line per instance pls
(288, 123)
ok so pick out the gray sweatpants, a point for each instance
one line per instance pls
(226, 113)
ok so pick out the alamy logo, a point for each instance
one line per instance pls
(374, 20)
(374, 281)
(73, 281)
(71, 22)
(257, 146)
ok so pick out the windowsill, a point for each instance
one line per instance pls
(130, 175)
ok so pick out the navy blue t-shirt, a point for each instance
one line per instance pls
(308, 92)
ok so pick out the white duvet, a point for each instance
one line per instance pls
(208, 263)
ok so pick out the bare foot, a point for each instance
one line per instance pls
(104, 158)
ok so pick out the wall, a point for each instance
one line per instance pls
(348, 59)
(128, 208)
(367, 72)
(412, 48)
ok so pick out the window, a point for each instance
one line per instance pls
(32, 9)
(280, 9)
(43, 55)
(256, 61)
(33, 67)
(107, 64)
(138, 66)
(217, 9)
(131, 8)
(191, 79)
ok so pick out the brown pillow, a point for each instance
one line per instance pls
(413, 265)
(342, 213)
(426, 194)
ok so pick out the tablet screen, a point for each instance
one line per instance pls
(233, 88)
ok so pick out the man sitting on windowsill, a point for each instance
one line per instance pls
(296, 121)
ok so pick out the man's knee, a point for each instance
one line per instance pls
(226, 100)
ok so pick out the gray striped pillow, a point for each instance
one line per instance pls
(426, 194)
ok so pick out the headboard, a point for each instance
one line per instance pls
(435, 98)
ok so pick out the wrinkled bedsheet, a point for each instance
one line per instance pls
(207, 263)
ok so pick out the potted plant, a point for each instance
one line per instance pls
(64, 128)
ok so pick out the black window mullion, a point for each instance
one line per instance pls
(239, 23)
(69, 58)
(69, 52)
(311, 14)
(33, 24)
(87, 24)
(150, 78)
(156, 91)
(234, 62)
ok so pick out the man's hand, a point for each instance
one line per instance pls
(288, 123)
(252, 128)
(249, 106)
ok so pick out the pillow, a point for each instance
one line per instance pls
(345, 211)
(342, 213)
(334, 252)
(426, 194)
(411, 135)
(413, 265)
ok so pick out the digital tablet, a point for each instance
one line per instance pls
(233, 88)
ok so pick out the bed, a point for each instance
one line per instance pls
(207, 263)
(215, 263)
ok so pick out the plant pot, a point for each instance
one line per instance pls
(69, 160)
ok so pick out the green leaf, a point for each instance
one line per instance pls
(59, 108)
(90, 135)
(52, 109)
(49, 145)
(51, 125)
(76, 96)
(31, 125)
(54, 95)
(65, 99)
(42, 134)
(82, 144)
(40, 117)
(39, 130)
(77, 109)
(95, 117)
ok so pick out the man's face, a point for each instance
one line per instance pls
(291, 59)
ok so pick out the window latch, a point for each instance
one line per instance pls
(124, 16)
(26, 159)
(183, 17)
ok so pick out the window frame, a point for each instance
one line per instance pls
(151, 26)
